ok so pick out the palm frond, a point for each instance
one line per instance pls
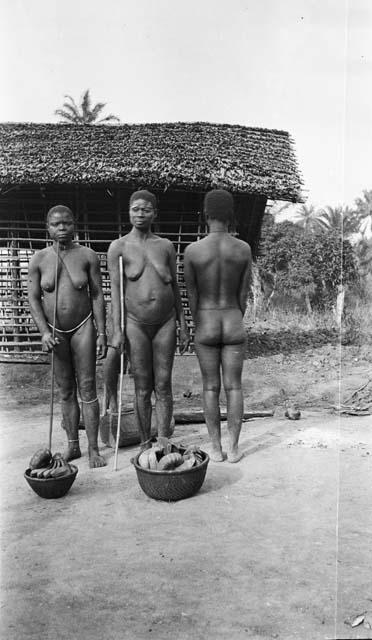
(75, 106)
(86, 106)
(96, 111)
(67, 116)
(110, 118)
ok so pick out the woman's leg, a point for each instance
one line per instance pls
(111, 370)
(163, 349)
(83, 348)
(232, 356)
(65, 379)
(140, 356)
(209, 361)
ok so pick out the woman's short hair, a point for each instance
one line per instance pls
(143, 194)
(59, 208)
(219, 205)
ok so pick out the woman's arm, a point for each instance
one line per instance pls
(98, 303)
(190, 280)
(114, 253)
(37, 312)
(245, 281)
(184, 331)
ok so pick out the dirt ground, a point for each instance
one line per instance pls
(277, 546)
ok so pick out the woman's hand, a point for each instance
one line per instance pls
(101, 346)
(117, 341)
(184, 339)
(48, 342)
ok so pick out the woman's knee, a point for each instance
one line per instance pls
(143, 394)
(68, 393)
(87, 389)
(212, 385)
(163, 388)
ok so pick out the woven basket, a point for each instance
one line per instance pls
(51, 488)
(171, 485)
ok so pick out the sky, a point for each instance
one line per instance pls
(303, 66)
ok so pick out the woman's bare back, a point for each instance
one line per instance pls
(219, 261)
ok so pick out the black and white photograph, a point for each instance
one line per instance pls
(186, 320)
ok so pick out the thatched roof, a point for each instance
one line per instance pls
(187, 156)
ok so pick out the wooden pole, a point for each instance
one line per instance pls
(52, 363)
(121, 280)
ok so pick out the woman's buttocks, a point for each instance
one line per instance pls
(218, 326)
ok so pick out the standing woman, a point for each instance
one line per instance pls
(152, 306)
(80, 335)
(217, 275)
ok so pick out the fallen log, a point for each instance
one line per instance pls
(189, 416)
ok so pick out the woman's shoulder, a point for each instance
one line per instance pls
(241, 245)
(38, 256)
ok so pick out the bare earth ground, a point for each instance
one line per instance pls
(277, 546)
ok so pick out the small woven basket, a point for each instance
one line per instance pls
(171, 486)
(51, 488)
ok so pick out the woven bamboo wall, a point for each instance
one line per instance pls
(101, 217)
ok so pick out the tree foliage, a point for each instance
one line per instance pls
(312, 265)
(86, 113)
(363, 211)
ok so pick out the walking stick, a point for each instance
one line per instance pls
(52, 363)
(121, 361)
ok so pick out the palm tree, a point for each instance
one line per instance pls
(340, 219)
(309, 218)
(86, 113)
(364, 212)
(363, 250)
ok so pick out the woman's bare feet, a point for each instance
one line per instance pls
(234, 455)
(95, 459)
(73, 451)
(145, 445)
(216, 454)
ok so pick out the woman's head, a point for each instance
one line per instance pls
(60, 223)
(219, 205)
(59, 208)
(142, 208)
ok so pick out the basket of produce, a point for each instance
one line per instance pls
(50, 476)
(170, 472)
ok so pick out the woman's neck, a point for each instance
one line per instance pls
(63, 246)
(141, 234)
(217, 226)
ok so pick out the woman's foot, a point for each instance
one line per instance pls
(216, 454)
(73, 450)
(234, 455)
(145, 445)
(95, 459)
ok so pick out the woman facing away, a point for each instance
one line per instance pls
(80, 335)
(152, 306)
(217, 275)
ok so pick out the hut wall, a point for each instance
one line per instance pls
(101, 212)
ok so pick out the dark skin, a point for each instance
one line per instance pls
(79, 292)
(217, 276)
(152, 306)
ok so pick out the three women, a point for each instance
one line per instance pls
(217, 271)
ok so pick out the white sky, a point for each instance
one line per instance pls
(299, 65)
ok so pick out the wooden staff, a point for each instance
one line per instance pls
(121, 282)
(52, 364)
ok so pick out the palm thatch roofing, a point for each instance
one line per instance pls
(180, 156)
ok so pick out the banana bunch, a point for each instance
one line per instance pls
(166, 456)
(57, 468)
